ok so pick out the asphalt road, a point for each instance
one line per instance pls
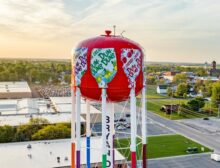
(210, 140)
(192, 161)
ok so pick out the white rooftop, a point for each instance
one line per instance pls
(24, 106)
(44, 153)
(6, 87)
(63, 104)
(15, 120)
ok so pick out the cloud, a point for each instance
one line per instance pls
(34, 18)
(162, 27)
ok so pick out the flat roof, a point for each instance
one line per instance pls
(44, 153)
(24, 106)
(9, 87)
(63, 104)
(15, 120)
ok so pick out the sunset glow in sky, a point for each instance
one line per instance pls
(171, 30)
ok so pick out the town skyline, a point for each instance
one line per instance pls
(183, 31)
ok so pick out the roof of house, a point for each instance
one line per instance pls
(163, 86)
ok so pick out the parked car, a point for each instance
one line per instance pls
(127, 115)
(121, 127)
(192, 150)
(122, 120)
(215, 157)
(127, 125)
(118, 125)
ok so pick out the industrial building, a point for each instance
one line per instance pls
(14, 90)
(25, 106)
(63, 104)
(52, 153)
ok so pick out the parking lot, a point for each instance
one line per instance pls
(152, 127)
(192, 161)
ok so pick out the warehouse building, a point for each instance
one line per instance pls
(14, 90)
(63, 104)
(52, 153)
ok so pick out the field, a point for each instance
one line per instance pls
(152, 94)
(154, 105)
(160, 146)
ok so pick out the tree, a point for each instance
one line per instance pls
(67, 78)
(215, 94)
(196, 103)
(151, 80)
(169, 92)
(181, 89)
(38, 121)
(7, 133)
(52, 132)
(201, 72)
(180, 78)
(25, 132)
(185, 95)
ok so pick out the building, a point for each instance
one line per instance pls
(214, 72)
(169, 108)
(16, 120)
(52, 153)
(63, 104)
(14, 90)
(162, 89)
(169, 75)
(25, 106)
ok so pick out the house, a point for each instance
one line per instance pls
(169, 75)
(214, 72)
(162, 89)
(168, 108)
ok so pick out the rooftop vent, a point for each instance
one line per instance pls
(29, 146)
(58, 159)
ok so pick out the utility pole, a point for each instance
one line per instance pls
(219, 110)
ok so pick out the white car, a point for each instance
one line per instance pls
(215, 157)
(121, 127)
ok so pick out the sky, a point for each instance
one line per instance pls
(170, 31)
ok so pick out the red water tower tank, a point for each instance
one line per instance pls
(122, 56)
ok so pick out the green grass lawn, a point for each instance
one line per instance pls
(154, 105)
(152, 93)
(160, 146)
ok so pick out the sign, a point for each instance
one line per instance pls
(110, 135)
(103, 65)
(80, 64)
(131, 59)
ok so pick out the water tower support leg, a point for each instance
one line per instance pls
(78, 127)
(73, 145)
(133, 128)
(104, 152)
(144, 129)
(110, 135)
(88, 134)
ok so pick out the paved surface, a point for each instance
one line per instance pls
(192, 161)
(152, 127)
(210, 140)
(211, 126)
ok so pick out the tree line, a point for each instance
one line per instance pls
(36, 129)
(34, 71)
